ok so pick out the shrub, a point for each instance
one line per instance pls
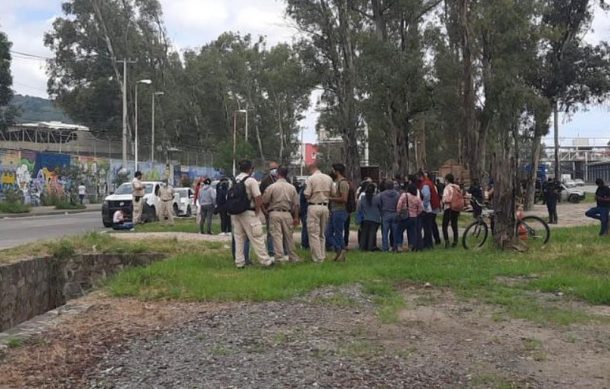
(64, 204)
(14, 207)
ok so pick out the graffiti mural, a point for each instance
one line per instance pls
(38, 175)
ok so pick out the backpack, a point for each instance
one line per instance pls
(457, 199)
(237, 198)
(350, 205)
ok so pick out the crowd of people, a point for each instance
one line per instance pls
(406, 211)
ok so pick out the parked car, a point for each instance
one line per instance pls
(184, 205)
(572, 195)
(570, 183)
(579, 182)
(122, 198)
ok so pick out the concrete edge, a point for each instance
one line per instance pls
(47, 213)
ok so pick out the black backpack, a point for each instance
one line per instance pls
(237, 198)
(350, 205)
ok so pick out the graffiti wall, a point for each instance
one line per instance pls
(37, 174)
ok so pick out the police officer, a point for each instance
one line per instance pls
(317, 192)
(138, 197)
(247, 225)
(282, 204)
(166, 197)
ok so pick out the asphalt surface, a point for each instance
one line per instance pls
(18, 231)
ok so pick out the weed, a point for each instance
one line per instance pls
(62, 249)
(14, 343)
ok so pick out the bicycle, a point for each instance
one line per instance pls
(532, 229)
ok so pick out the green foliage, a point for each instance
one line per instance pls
(579, 270)
(62, 249)
(7, 113)
(14, 207)
(69, 205)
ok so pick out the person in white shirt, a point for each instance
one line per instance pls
(82, 192)
(119, 222)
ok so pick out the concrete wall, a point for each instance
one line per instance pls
(32, 287)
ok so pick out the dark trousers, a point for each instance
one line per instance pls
(428, 222)
(304, 234)
(601, 214)
(435, 233)
(414, 227)
(368, 235)
(450, 216)
(225, 221)
(551, 206)
(346, 231)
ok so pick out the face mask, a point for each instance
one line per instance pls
(273, 172)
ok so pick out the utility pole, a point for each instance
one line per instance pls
(556, 133)
(125, 61)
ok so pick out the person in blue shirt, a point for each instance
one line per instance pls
(601, 211)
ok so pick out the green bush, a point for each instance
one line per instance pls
(62, 249)
(14, 207)
(51, 199)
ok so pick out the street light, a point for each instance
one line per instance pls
(135, 122)
(235, 133)
(152, 143)
(246, 127)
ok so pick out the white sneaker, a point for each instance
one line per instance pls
(283, 259)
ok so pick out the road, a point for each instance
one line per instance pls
(18, 231)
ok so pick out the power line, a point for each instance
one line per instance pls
(38, 57)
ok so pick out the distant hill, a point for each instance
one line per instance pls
(36, 109)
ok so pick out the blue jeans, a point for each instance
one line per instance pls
(601, 214)
(246, 249)
(337, 229)
(414, 233)
(388, 224)
(304, 234)
(399, 236)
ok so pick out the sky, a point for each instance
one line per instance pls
(191, 23)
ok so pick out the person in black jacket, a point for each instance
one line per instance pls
(551, 193)
(222, 189)
(602, 197)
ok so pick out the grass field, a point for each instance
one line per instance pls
(576, 263)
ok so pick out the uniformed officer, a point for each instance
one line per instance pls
(247, 225)
(317, 192)
(166, 197)
(138, 197)
(282, 204)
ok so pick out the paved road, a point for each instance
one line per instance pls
(17, 231)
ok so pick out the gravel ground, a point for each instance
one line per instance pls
(299, 343)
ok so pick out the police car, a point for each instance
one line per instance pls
(122, 198)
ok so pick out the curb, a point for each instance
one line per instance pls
(48, 213)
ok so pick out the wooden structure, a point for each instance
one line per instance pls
(461, 174)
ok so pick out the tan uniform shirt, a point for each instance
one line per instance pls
(252, 188)
(166, 193)
(281, 196)
(319, 187)
(138, 187)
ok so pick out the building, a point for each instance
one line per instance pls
(60, 138)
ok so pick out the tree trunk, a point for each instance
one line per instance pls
(471, 139)
(532, 175)
(556, 136)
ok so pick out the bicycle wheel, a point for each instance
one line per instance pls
(475, 235)
(534, 231)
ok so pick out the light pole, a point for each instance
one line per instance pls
(246, 127)
(152, 143)
(135, 121)
(234, 139)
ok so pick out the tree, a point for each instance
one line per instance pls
(393, 77)
(7, 113)
(568, 72)
(331, 52)
(85, 78)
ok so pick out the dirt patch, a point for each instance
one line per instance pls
(330, 338)
(497, 350)
(63, 355)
